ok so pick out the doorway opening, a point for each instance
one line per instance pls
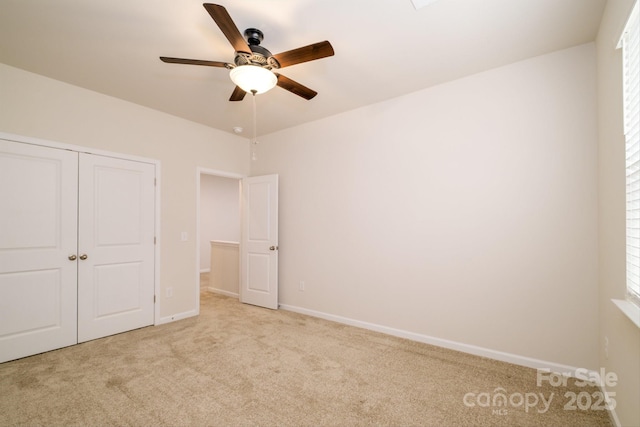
(218, 232)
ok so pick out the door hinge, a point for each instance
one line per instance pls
(155, 182)
(154, 299)
(154, 240)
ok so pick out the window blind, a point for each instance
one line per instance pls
(631, 78)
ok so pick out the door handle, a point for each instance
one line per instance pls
(72, 257)
(83, 257)
(273, 248)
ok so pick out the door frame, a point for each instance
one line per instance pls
(222, 174)
(91, 150)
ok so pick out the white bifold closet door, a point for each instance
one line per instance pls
(38, 234)
(115, 246)
(76, 247)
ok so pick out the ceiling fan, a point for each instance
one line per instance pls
(253, 65)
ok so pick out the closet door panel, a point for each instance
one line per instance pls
(38, 240)
(116, 246)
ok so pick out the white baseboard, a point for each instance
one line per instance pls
(452, 345)
(175, 317)
(222, 292)
(613, 415)
(205, 270)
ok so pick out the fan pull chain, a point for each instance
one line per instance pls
(254, 141)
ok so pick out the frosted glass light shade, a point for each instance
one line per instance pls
(252, 77)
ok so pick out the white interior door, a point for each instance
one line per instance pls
(115, 246)
(38, 240)
(259, 260)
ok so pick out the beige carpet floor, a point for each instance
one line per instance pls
(239, 365)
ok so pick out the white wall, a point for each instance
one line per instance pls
(465, 212)
(40, 107)
(219, 214)
(623, 336)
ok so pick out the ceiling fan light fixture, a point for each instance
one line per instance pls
(252, 78)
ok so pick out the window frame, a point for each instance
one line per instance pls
(630, 45)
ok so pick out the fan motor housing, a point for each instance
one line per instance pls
(259, 56)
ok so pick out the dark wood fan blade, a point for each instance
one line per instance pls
(304, 54)
(295, 87)
(193, 62)
(228, 27)
(237, 95)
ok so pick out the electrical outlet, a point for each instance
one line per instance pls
(169, 292)
(301, 286)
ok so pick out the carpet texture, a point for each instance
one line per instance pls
(239, 365)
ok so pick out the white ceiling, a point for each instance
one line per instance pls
(383, 48)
